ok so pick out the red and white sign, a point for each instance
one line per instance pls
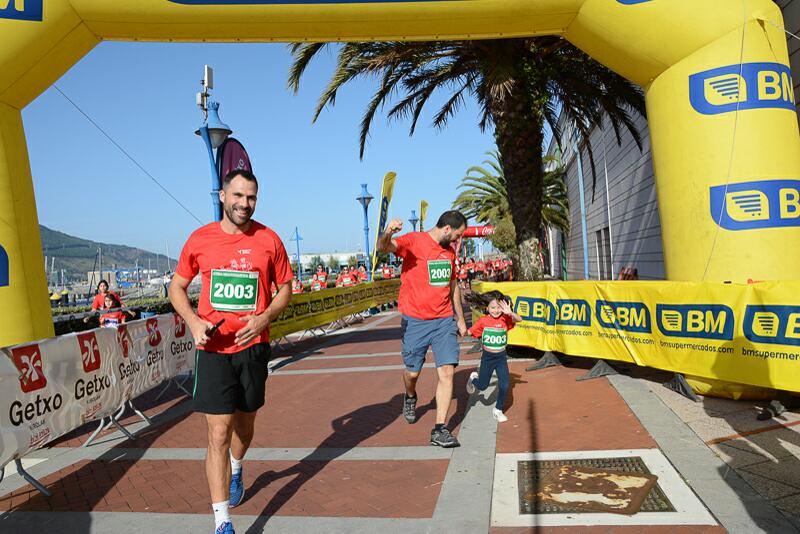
(153, 334)
(90, 352)
(28, 360)
(478, 231)
(180, 325)
(124, 339)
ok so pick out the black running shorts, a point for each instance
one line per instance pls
(225, 383)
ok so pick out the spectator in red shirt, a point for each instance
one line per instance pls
(99, 300)
(316, 284)
(114, 318)
(297, 286)
(345, 279)
(430, 302)
(322, 275)
(363, 276)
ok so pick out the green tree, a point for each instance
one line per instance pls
(333, 263)
(352, 261)
(316, 260)
(520, 85)
(484, 197)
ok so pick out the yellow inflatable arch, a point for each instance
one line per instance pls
(739, 197)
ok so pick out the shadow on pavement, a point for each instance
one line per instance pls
(348, 431)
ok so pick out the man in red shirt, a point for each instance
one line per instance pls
(239, 260)
(386, 272)
(430, 302)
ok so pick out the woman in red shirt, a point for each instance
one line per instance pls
(100, 298)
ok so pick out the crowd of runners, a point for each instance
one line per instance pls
(247, 281)
(348, 276)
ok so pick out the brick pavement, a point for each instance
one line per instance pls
(355, 409)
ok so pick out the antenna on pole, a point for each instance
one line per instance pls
(206, 83)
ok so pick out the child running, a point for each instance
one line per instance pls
(493, 329)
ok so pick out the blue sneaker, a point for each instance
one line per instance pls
(225, 528)
(237, 490)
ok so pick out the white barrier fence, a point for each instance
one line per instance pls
(53, 386)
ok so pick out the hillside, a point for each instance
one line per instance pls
(78, 256)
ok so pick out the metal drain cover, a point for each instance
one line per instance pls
(530, 472)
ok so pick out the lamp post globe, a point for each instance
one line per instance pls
(414, 220)
(213, 132)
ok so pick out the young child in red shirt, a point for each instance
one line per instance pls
(493, 329)
(115, 318)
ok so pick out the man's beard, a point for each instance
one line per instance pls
(446, 241)
(237, 218)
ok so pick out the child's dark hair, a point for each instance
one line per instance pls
(114, 299)
(482, 300)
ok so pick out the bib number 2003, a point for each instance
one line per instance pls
(234, 290)
(439, 272)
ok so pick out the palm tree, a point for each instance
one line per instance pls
(485, 197)
(520, 85)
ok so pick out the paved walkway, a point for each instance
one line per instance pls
(333, 454)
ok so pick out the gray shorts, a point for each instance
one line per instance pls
(439, 334)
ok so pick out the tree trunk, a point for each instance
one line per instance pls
(518, 133)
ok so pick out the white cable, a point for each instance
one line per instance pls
(141, 168)
(723, 205)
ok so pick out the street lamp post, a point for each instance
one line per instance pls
(299, 266)
(414, 220)
(365, 199)
(213, 132)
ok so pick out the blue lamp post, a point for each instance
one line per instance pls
(365, 199)
(299, 266)
(214, 132)
(414, 220)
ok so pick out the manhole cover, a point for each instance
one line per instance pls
(530, 472)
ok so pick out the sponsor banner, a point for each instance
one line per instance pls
(478, 231)
(319, 308)
(53, 386)
(383, 214)
(749, 334)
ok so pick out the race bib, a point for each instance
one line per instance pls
(439, 272)
(235, 291)
(494, 339)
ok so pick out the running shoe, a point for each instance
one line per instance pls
(410, 408)
(443, 438)
(470, 384)
(225, 528)
(237, 490)
(499, 415)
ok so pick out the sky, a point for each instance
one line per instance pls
(143, 96)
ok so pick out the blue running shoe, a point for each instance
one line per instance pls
(225, 528)
(237, 490)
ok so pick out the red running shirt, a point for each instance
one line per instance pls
(427, 274)
(242, 268)
(493, 332)
(112, 319)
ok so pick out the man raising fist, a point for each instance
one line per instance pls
(430, 302)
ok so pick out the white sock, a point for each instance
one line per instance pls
(221, 513)
(236, 465)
